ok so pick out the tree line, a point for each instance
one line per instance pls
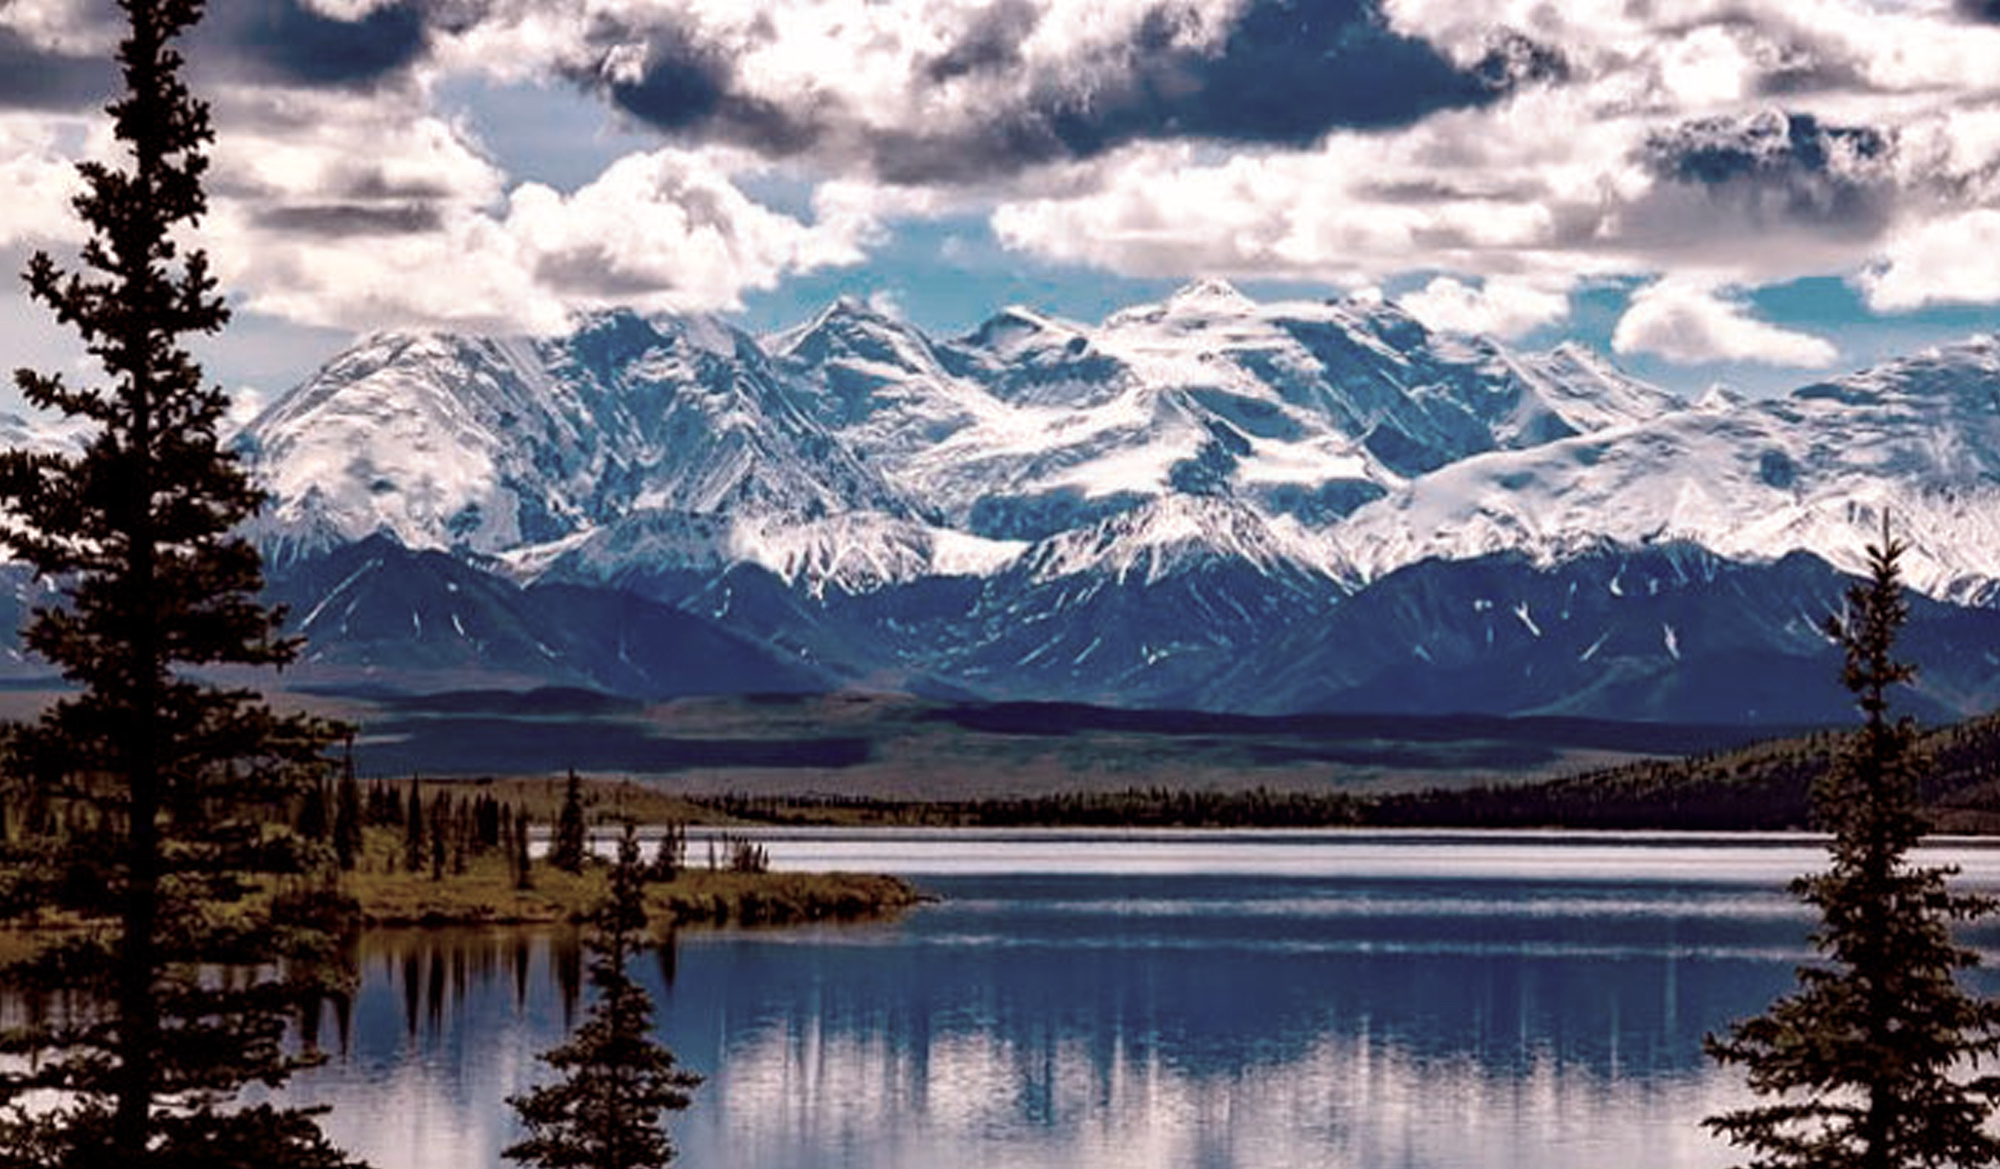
(1761, 787)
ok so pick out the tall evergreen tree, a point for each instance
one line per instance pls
(571, 843)
(617, 1079)
(347, 819)
(413, 829)
(314, 821)
(184, 787)
(1874, 1058)
(440, 828)
(524, 865)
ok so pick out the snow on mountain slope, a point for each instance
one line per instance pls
(1028, 359)
(59, 436)
(1750, 481)
(1206, 502)
(487, 444)
(1026, 428)
(1194, 502)
(436, 440)
(1586, 391)
(853, 552)
(879, 383)
(1305, 409)
(1176, 533)
(40, 435)
(1142, 608)
(1369, 370)
(714, 427)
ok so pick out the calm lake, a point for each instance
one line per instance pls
(1147, 999)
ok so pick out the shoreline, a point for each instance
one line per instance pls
(694, 898)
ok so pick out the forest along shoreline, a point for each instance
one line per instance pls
(1761, 787)
(457, 852)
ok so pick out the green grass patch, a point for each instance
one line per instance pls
(484, 893)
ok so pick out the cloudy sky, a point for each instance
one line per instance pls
(1756, 191)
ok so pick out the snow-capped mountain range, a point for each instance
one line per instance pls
(1207, 502)
(854, 451)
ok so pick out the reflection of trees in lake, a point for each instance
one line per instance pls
(1065, 1021)
(318, 1014)
(436, 971)
(792, 1099)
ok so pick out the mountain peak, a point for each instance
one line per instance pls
(1577, 353)
(1380, 313)
(1719, 397)
(849, 307)
(1016, 327)
(850, 329)
(611, 335)
(1210, 293)
(1962, 373)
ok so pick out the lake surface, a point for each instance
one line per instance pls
(1155, 999)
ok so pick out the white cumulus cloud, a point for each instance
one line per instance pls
(667, 230)
(1497, 308)
(37, 181)
(75, 26)
(1945, 261)
(344, 210)
(1692, 325)
(1743, 143)
(1726, 143)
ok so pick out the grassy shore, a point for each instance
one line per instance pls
(694, 897)
(485, 894)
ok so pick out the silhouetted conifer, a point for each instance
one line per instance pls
(487, 816)
(669, 853)
(314, 821)
(567, 850)
(413, 830)
(440, 830)
(347, 818)
(524, 873)
(1874, 1058)
(617, 1080)
(181, 790)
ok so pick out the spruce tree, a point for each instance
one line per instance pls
(604, 1113)
(413, 829)
(440, 826)
(179, 791)
(1874, 1059)
(670, 853)
(571, 843)
(314, 821)
(524, 864)
(347, 819)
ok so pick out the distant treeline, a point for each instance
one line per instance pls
(1766, 786)
(1057, 719)
(1762, 787)
(1155, 807)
